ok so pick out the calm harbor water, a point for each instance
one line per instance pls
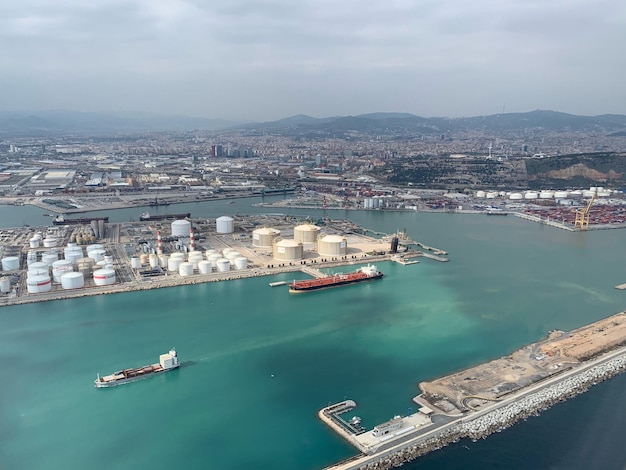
(258, 363)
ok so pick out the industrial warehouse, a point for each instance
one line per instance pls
(96, 257)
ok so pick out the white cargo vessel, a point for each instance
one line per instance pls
(166, 363)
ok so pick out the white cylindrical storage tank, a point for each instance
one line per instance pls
(97, 254)
(546, 194)
(5, 285)
(50, 242)
(264, 237)
(95, 246)
(205, 267)
(213, 259)
(31, 257)
(37, 284)
(39, 265)
(225, 224)
(37, 272)
(225, 251)
(209, 252)
(63, 264)
(589, 193)
(74, 255)
(85, 261)
(85, 269)
(108, 259)
(577, 193)
(241, 262)
(10, 263)
(135, 263)
(480, 194)
(531, 195)
(604, 192)
(516, 196)
(100, 264)
(332, 245)
(72, 280)
(491, 195)
(153, 261)
(223, 265)
(561, 194)
(173, 264)
(34, 242)
(104, 277)
(288, 250)
(306, 233)
(163, 258)
(232, 255)
(180, 228)
(49, 257)
(57, 273)
(178, 255)
(185, 268)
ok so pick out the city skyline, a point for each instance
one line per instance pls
(266, 60)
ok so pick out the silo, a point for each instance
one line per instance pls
(185, 268)
(225, 224)
(153, 261)
(181, 228)
(241, 262)
(205, 267)
(10, 263)
(5, 284)
(332, 245)
(34, 242)
(306, 233)
(195, 257)
(101, 228)
(163, 259)
(173, 264)
(95, 228)
(264, 237)
(288, 250)
(223, 265)
(37, 284)
(104, 277)
(135, 263)
(72, 280)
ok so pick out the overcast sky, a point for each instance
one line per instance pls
(268, 59)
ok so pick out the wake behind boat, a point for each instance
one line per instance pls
(166, 363)
(365, 273)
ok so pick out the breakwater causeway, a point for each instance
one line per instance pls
(573, 362)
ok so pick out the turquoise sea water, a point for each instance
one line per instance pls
(258, 363)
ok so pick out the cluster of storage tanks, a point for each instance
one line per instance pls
(186, 264)
(304, 236)
(68, 266)
(545, 194)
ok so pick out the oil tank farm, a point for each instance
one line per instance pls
(264, 237)
(332, 245)
(288, 250)
(225, 224)
(306, 233)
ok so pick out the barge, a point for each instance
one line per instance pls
(146, 216)
(166, 363)
(60, 220)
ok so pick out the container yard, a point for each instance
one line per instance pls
(479, 401)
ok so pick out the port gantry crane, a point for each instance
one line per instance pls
(582, 215)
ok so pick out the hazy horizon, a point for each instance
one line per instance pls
(262, 60)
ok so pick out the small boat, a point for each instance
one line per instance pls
(277, 283)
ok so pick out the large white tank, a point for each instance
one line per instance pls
(34, 242)
(225, 224)
(231, 255)
(163, 259)
(72, 280)
(185, 268)
(39, 265)
(49, 257)
(153, 261)
(173, 264)
(491, 195)
(34, 272)
(97, 254)
(31, 257)
(181, 228)
(546, 194)
(516, 196)
(560, 194)
(95, 246)
(264, 237)
(223, 265)
(135, 263)
(50, 242)
(205, 267)
(73, 253)
(306, 233)
(531, 195)
(332, 245)
(178, 255)
(37, 284)
(10, 263)
(241, 262)
(209, 252)
(288, 250)
(104, 277)
(480, 194)
(213, 259)
(5, 284)
(61, 267)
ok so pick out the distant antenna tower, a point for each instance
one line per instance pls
(489, 150)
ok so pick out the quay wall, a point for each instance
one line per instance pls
(488, 421)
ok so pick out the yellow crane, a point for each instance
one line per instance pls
(582, 215)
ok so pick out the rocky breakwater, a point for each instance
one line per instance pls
(498, 417)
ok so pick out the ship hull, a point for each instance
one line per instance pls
(85, 220)
(295, 289)
(149, 218)
(127, 380)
